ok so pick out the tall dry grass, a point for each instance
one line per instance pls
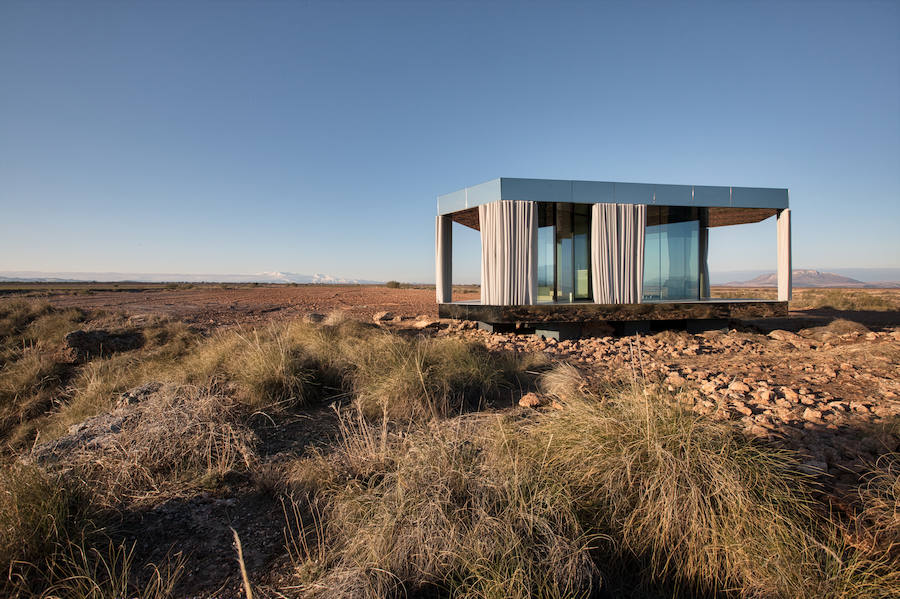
(447, 509)
(628, 491)
(39, 513)
(175, 438)
(880, 496)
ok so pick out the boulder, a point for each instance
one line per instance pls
(383, 316)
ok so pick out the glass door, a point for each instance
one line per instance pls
(564, 253)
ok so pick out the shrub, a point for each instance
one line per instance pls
(450, 509)
(880, 497)
(393, 285)
(39, 513)
(423, 378)
(689, 502)
(175, 436)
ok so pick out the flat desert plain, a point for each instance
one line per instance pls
(107, 382)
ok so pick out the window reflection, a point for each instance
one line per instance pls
(564, 252)
(546, 243)
(671, 254)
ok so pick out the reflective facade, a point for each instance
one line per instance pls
(564, 252)
(672, 253)
(593, 192)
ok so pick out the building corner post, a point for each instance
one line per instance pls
(443, 259)
(784, 255)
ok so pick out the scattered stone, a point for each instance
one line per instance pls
(531, 400)
(790, 394)
(765, 395)
(675, 379)
(739, 387)
(810, 414)
(743, 408)
(782, 335)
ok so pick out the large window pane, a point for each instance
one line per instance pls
(546, 248)
(565, 286)
(671, 254)
(581, 236)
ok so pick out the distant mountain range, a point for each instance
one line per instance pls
(107, 277)
(811, 278)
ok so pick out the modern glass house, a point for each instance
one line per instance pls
(555, 251)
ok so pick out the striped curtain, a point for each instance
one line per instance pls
(508, 253)
(617, 252)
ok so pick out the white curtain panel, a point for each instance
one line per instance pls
(617, 252)
(508, 253)
(443, 255)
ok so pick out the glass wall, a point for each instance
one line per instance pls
(565, 291)
(671, 254)
(564, 253)
(546, 243)
(581, 249)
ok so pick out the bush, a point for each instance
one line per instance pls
(660, 500)
(448, 507)
(39, 514)
(881, 504)
(393, 285)
(689, 502)
(173, 437)
(423, 378)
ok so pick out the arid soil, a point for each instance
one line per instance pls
(831, 393)
(823, 382)
(226, 305)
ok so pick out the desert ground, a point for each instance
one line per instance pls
(216, 440)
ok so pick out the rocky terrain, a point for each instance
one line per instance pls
(190, 413)
(831, 392)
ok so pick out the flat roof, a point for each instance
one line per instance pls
(594, 192)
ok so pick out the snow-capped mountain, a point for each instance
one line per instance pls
(106, 277)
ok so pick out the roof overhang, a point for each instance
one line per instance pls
(595, 192)
(718, 216)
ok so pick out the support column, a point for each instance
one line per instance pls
(784, 255)
(703, 252)
(443, 259)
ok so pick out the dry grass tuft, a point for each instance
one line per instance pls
(838, 326)
(92, 573)
(176, 436)
(39, 512)
(449, 507)
(424, 378)
(846, 299)
(881, 504)
(690, 502)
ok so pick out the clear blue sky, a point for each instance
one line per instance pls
(238, 137)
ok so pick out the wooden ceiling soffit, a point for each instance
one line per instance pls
(718, 216)
(467, 217)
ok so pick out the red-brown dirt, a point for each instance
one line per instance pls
(217, 305)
